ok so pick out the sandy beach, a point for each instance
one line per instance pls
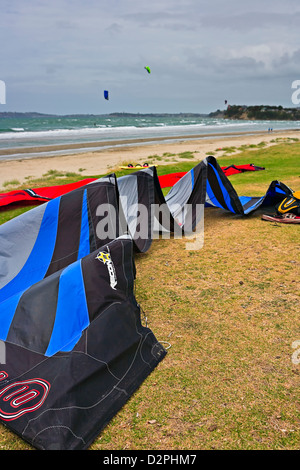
(102, 161)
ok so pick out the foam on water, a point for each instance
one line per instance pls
(38, 132)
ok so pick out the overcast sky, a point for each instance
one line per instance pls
(57, 56)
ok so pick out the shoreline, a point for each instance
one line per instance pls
(17, 152)
(92, 161)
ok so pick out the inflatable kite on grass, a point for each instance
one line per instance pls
(287, 211)
(39, 195)
(44, 194)
(76, 349)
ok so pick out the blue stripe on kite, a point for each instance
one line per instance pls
(193, 177)
(244, 199)
(251, 208)
(278, 190)
(71, 313)
(84, 244)
(211, 196)
(40, 257)
(224, 191)
(7, 311)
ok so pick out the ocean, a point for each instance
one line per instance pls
(28, 136)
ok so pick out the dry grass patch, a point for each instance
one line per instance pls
(230, 313)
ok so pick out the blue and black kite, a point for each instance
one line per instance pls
(75, 345)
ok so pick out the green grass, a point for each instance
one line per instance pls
(281, 162)
(11, 183)
(230, 312)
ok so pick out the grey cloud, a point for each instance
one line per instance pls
(114, 28)
(193, 47)
(252, 20)
(65, 24)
